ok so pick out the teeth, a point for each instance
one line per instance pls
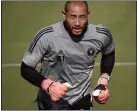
(77, 29)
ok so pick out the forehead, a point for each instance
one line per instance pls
(75, 7)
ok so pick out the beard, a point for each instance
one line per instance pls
(69, 29)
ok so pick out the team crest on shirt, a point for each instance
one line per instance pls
(91, 52)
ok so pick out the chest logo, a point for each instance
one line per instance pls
(91, 52)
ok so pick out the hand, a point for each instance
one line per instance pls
(103, 96)
(56, 91)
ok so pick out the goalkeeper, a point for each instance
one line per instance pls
(67, 51)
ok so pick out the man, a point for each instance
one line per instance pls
(67, 52)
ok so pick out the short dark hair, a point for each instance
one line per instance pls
(68, 2)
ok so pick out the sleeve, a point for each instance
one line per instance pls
(108, 42)
(107, 62)
(31, 75)
(36, 50)
(107, 50)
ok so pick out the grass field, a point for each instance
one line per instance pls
(21, 20)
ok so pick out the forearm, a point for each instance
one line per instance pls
(107, 64)
(55, 89)
(31, 75)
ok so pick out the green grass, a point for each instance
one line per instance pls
(16, 92)
(20, 22)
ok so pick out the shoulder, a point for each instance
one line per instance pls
(51, 30)
(100, 32)
(103, 30)
(100, 29)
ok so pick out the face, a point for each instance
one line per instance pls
(76, 18)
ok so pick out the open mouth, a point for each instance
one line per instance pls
(77, 30)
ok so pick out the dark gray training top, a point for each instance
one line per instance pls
(65, 60)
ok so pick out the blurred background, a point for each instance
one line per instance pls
(21, 21)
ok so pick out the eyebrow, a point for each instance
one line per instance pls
(79, 15)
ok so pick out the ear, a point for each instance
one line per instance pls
(64, 14)
(88, 11)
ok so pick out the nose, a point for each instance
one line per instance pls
(77, 22)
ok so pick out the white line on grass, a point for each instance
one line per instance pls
(96, 64)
